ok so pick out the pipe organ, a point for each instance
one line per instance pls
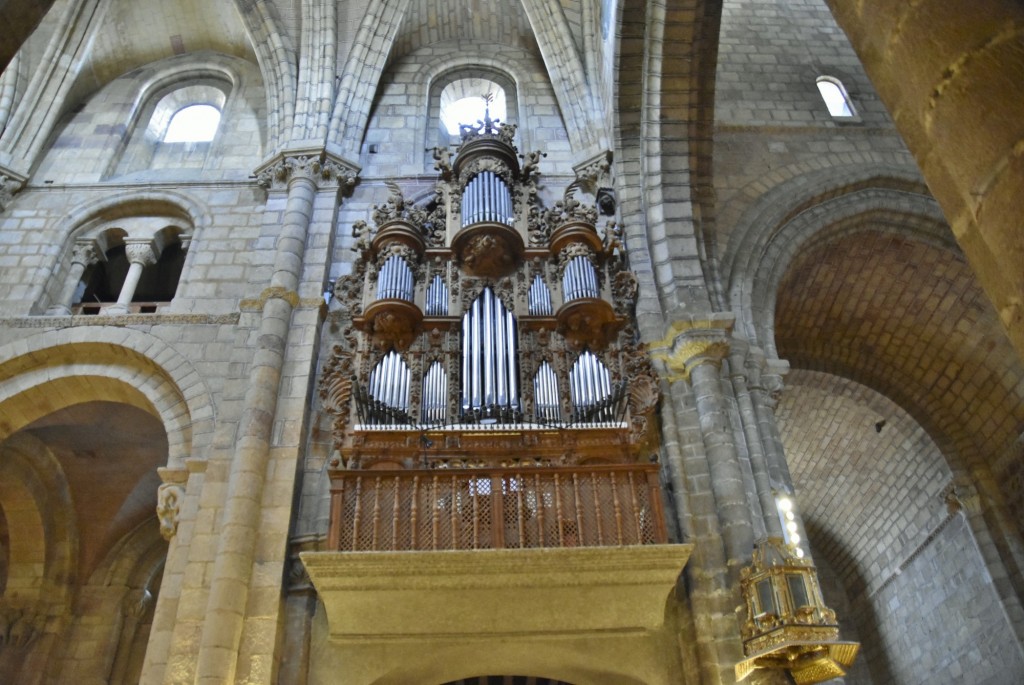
(480, 329)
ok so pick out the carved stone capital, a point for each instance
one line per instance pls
(694, 342)
(961, 497)
(319, 167)
(135, 603)
(86, 252)
(140, 252)
(11, 183)
(168, 507)
(595, 173)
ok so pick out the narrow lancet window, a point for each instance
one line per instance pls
(835, 97)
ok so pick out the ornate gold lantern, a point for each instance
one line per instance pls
(788, 625)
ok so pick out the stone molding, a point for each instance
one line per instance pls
(70, 321)
(257, 304)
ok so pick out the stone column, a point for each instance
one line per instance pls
(239, 531)
(140, 254)
(83, 254)
(698, 354)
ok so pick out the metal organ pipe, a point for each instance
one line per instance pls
(489, 361)
(512, 366)
(579, 279)
(437, 297)
(395, 280)
(487, 198)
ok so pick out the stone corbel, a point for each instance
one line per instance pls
(168, 499)
(594, 173)
(11, 182)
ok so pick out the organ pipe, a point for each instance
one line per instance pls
(437, 297)
(435, 394)
(590, 389)
(489, 358)
(545, 391)
(579, 280)
(395, 280)
(540, 298)
(486, 198)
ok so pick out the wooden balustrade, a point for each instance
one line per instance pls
(495, 508)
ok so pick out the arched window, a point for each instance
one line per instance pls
(835, 97)
(177, 129)
(193, 124)
(463, 102)
(457, 97)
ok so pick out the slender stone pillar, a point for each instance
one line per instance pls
(140, 254)
(232, 569)
(740, 367)
(82, 255)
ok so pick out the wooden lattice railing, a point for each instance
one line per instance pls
(495, 508)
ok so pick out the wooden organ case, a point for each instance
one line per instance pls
(487, 389)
